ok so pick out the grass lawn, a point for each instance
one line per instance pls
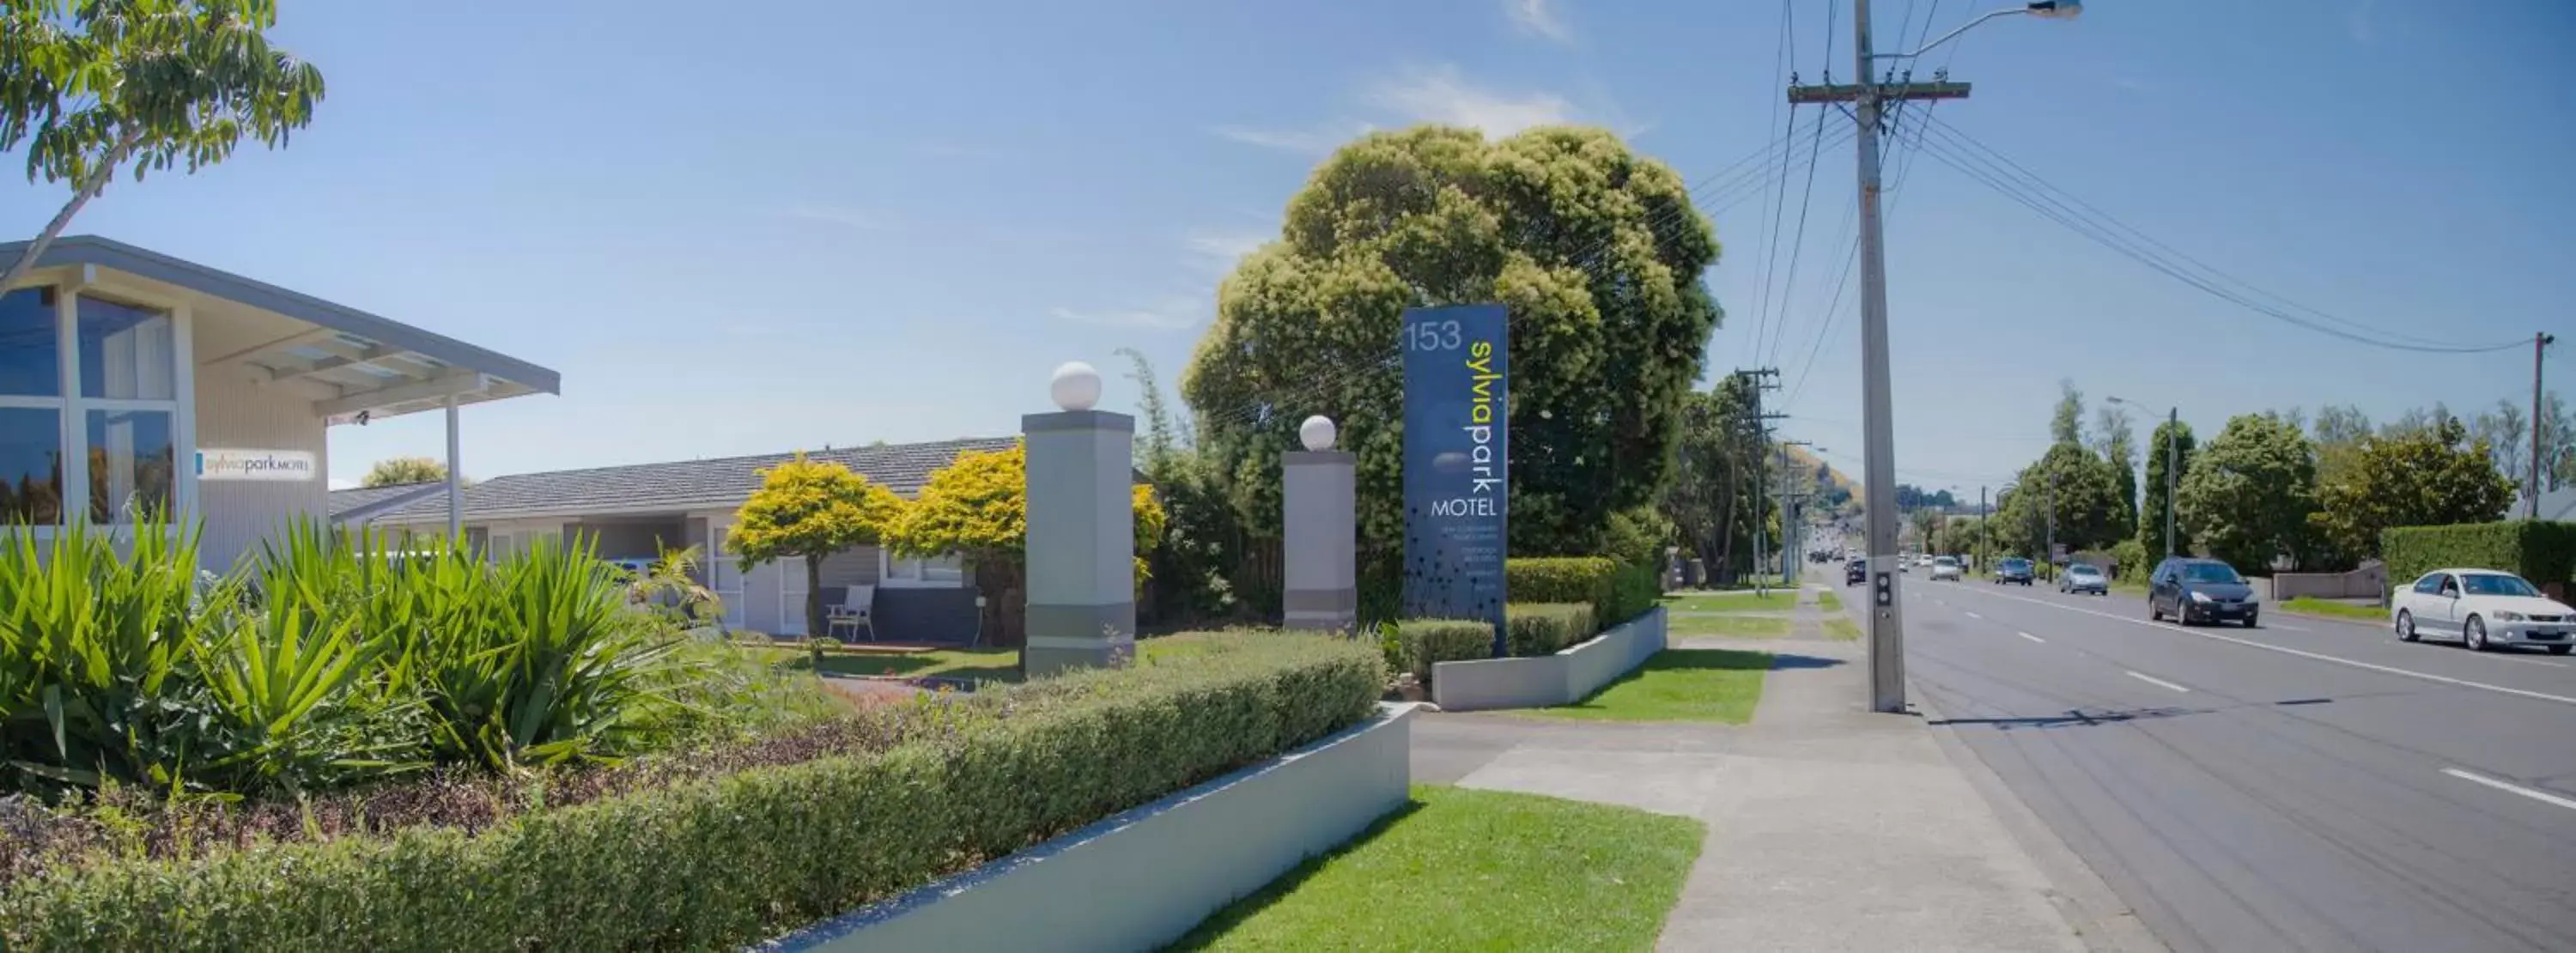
(1840, 627)
(1745, 626)
(1720, 685)
(1746, 602)
(1461, 869)
(2339, 610)
(1829, 602)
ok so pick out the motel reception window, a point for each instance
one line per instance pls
(89, 410)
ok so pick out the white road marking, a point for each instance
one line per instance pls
(2542, 796)
(2152, 680)
(2031, 637)
(2285, 650)
(2286, 628)
(1977, 617)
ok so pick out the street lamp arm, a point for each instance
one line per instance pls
(2057, 9)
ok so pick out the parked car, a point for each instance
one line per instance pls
(2200, 590)
(1855, 571)
(2483, 608)
(1945, 567)
(2082, 578)
(2012, 569)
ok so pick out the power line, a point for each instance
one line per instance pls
(2107, 231)
(1798, 244)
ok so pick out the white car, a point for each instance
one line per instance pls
(2482, 608)
(1946, 567)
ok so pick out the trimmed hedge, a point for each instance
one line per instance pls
(2542, 552)
(1557, 578)
(1630, 591)
(1426, 642)
(736, 860)
(1543, 628)
(1616, 592)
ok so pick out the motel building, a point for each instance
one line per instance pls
(132, 381)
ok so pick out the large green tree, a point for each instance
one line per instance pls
(95, 86)
(1596, 251)
(2247, 495)
(2066, 423)
(2435, 478)
(1715, 498)
(2070, 484)
(2116, 441)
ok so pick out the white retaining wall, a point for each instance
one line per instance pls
(1569, 676)
(1143, 878)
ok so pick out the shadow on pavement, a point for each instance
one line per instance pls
(1792, 661)
(2073, 719)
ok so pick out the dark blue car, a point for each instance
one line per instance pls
(2013, 569)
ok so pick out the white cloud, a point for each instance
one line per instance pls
(1533, 17)
(1171, 313)
(337, 483)
(1439, 94)
(1319, 139)
(834, 215)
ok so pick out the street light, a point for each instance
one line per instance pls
(2044, 9)
(2173, 462)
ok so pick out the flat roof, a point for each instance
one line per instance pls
(366, 361)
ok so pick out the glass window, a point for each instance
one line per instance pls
(30, 356)
(133, 462)
(124, 351)
(2497, 584)
(2210, 572)
(947, 570)
(2431, 584)
(31, 476)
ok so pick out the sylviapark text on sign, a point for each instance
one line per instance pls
(1456, 453)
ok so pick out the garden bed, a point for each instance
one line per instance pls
(1549, 680)
(707, 849)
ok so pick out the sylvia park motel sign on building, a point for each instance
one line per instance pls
(1457, 439)
(262, 466)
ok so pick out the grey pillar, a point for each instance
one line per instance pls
(1081, 544)
(1320, 538)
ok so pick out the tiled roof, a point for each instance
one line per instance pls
(366, 501)
(686, 484)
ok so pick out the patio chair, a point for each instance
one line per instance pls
(855, 612)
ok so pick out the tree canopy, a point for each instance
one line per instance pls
(1596, 252)
(92, 86)
(811, 509)
(2424, 478)
(2247, 495)
(2070, 484)
(1714, 500)
(395, 471)
(978, 508)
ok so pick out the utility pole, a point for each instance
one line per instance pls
(1764, 378)
(2539, 346)
(1985, 531)
(1788, 519)
(1878, 453)
(2050, 556)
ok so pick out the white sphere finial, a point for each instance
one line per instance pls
(1317, 433)
(1076, 386)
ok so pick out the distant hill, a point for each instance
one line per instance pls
(1833, 488)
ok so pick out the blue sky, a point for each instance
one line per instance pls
(802, 223)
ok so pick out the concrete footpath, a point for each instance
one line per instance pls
(1830, 828)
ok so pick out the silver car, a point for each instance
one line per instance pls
(2083, 578)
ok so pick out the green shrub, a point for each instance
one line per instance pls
(1557, 578)
(2542, 552)
(1428, 642)
(1543, 628)
(331, 660)
(2129, 560)
(1630, 591)
(723, 863)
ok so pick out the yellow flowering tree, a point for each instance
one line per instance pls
(811, 509)
(978, 508)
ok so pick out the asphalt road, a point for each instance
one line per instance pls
(2308, 785)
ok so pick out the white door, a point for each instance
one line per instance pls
(724, 577)
(791, 596)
